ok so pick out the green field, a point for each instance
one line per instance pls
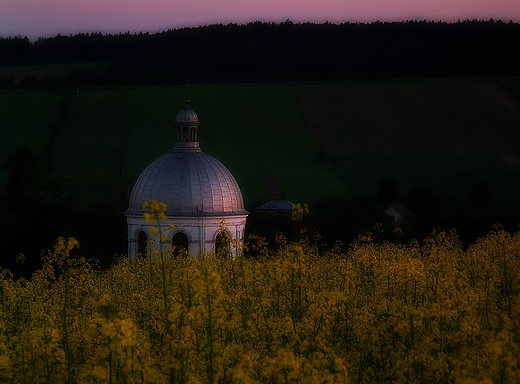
(318, 140)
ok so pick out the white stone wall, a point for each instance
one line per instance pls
(201, 232)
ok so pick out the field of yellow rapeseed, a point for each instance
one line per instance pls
(430, 312)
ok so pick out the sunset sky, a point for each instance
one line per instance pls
(43, 18)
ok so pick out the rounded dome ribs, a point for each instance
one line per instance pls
(191, 184)
(187, 116)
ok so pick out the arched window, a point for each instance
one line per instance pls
(222, 243)
(192, 134)
(142, 244)
(185, 134)
(179, 244)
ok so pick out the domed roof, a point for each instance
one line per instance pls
(189, 181)
(187, 116)
(191, 184)
(277, 205)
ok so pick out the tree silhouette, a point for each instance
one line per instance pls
(388, 191)
(287, 51)
(25, 172)
(422, 201)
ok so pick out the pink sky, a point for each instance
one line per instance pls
(42, 18)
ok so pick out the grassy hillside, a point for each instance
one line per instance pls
(319, 140)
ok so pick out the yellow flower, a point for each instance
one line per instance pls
(154, 204)
(5, 361)
(100, 373)
(72, 243)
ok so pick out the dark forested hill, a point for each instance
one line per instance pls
(266, 52)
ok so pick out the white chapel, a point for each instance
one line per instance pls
(200, 194)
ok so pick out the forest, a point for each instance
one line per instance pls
(266, 52)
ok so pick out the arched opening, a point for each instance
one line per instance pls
(179, 244)
(192, 134)
(142, 244)
(222, 244)
(185, 134)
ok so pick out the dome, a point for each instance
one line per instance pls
(277, 205)
(191, 184)
(187, 116)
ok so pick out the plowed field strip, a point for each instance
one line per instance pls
(452, 117)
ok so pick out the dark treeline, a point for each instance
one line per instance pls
(270, 52)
